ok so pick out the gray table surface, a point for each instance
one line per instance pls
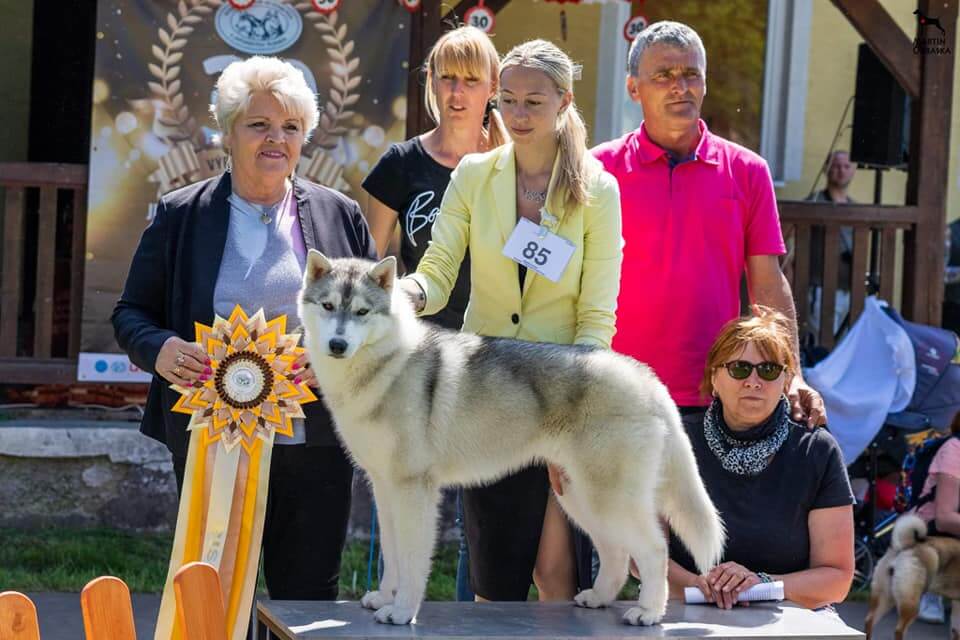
(554, 621)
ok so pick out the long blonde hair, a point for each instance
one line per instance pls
(465, 51)
(575, 165)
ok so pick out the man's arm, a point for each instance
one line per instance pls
(769, 287)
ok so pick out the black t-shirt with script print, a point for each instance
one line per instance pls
(409, 181)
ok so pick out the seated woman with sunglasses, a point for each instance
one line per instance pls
(781, 489)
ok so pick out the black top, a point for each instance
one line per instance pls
(766, 515)
(408, 180)
(174, 272)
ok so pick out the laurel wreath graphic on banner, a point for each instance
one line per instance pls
(166, 71)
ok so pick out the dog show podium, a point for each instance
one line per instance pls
(290, 620)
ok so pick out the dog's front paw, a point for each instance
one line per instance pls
(590, 599)
(640, 616)
(376, 599)
(393, 614)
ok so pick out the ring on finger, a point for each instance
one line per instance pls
(180, 358)
(176, 371)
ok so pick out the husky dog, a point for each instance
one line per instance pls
(420, 408)
(915, 563)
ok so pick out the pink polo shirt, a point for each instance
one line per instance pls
(688, 232)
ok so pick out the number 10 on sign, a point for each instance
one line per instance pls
(480, 17)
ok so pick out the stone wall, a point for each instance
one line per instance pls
(56, 473)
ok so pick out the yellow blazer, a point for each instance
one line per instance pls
(479, 212)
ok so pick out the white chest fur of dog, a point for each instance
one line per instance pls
(421, 408)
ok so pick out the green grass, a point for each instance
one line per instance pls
(66, 559)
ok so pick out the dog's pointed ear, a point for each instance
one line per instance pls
(384, 273)
(318, 265)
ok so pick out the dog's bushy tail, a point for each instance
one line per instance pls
(684, 501)
(908, 531)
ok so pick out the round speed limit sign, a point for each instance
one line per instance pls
(480, 17)
(633, 27)
(325, 6)
(410, 5)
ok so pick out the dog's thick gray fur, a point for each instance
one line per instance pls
(420, 408)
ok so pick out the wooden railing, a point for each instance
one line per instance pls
(43, 218)
(873, 235)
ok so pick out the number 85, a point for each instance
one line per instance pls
(539, 257)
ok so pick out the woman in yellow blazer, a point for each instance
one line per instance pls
(541, 220)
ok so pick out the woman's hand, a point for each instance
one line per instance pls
(182, 363)
(305, 374)
(728, 580)
(414, 293)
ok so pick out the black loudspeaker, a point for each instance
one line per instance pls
(881, 115)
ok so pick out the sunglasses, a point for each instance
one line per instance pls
(741, 370)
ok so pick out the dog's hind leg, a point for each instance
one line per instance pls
(880, 603)
(648, 548)
(413, 509)
(388, 585)
(614, 563)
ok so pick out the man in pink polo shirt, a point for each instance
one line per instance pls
(698, 210)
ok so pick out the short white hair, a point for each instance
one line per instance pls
(675, 34)
(240, 80)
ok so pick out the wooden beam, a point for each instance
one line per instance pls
(886, 38)
(820, 212)
(424, 32)
(37, 371)
(46, 270)
(35, 174)
(923, 272)
(10, 295)
(78, 261)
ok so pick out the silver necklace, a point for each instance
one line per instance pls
(533, 196)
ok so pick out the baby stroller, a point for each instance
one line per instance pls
(935, 400)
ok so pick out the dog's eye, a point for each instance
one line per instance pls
(362, 312)
(327, 306)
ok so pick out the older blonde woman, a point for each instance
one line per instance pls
(545, 190)
(242, 238)
(781, 489)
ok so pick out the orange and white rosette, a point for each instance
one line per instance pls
(234, 416)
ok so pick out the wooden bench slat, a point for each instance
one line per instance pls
(18, 617)
(78, 259)
(888, 253)
(831, 263)
(46, 264)
(801, 273)
(858, 272)
(200, 611)
(107, 610)
(12, 270)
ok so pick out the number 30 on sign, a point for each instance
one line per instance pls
(480, 17)
(633, 27)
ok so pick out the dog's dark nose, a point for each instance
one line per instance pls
(338, 346)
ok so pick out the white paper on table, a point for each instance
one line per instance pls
(762, 591)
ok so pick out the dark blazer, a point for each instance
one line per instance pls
(174, 272)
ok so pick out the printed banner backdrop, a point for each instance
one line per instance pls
(157, 62)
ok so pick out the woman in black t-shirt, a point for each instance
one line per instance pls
(408, 182)
(782, 490)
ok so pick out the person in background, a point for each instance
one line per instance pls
(408, 182)
(542, 185)
(242, 238)
(781, 489)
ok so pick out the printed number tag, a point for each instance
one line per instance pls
(538, 249)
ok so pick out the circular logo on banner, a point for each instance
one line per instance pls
(325, 6)
(266, 27)
(480, 17)
(633, 27)
(410, 5)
